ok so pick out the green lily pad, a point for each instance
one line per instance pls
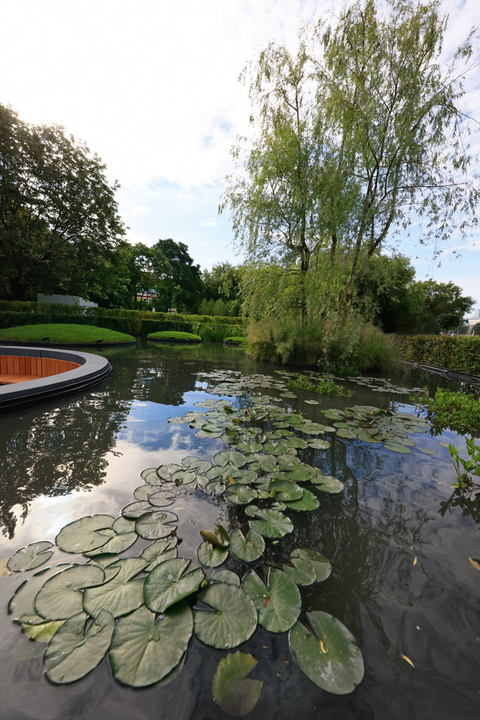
(302, 573)
(273, 448)
(169, 582)
(122, 594)
(277, 602)
(271, 524)
(241, 494)
(308, 501)
(116, 545)
(347, 433)
(123, 525)
(319, 563)
(193, 463)
(328, 484)
(286, 490)
(143, 492)
(230, 620)
(159, 551)
(327, 653)
(22, 604)
(135, 510)
(165, 472)
(145, 650)
(247, 548)
(233, 693)
(74, 652)
(319, 444)
(156, 525)
(427, 451)
(396, 447)
(214, 487)
(61, 595)
(150, 476)
(230, 456)
(85, 534)
(226, 576)
(42, 632)
(183, 477)
(161, 498)
(31, 556)
(300, 473)
(211, 555)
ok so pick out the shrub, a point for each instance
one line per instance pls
(460, 353)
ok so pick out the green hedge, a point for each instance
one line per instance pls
(132, 322)
(455, 353)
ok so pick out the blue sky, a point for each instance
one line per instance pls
(153, 89)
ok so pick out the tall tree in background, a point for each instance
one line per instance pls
(181, 283)
(356, 136)
(58, 215)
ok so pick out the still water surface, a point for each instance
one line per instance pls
(402, 581)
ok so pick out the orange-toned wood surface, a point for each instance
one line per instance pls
(17, 368)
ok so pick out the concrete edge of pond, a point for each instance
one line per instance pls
(92, 370)
(473, 380)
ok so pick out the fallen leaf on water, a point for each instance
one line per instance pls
(414, 561)
(407, 660)
(475, 563)
(322, 646)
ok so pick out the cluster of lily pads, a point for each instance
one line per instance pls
(144, 610)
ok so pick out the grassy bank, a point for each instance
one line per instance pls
(64, 334)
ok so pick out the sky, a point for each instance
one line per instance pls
(152, 87)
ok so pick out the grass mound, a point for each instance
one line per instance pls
(234, 340)
(175, 336)
(64, 334)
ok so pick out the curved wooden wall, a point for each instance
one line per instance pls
(19, 368)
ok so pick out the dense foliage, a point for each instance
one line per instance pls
(456, 353)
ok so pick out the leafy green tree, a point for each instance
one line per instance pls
(356, 136)
(440, 300)
(180, 284)
(58, 214)
(221, 290)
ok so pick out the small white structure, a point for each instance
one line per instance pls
(473, 320)
(65, 300)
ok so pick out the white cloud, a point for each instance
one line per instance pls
(209, 223)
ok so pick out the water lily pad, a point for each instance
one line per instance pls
(30, 557)
(327, 653)
(300, 472)
(271, 524)
(73, 651)
(373, 438)
(150, 476)
(230, 619)
(169, 582)
(285, 490)
(319, 563)
(233, 693)
(183, 477)
(42, 632)
(85, 534)
(247, 548)
(241, 494)
(156, 525)
(123, 525)
(143, 492)
(226, 576)
(427, 451)
(159, 551)
(135, 510)
(122, 594)
(273, 448)
(396, 447)
(144, 650)
(22, 604)
(302, 573)
(61, 596)
(211, 555)
(161, 498)
(328, 484)
(277, 602)
(308, 501)
(165, 472)
(215, 487)
(116, 545)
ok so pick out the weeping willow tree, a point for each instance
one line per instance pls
(355, 137)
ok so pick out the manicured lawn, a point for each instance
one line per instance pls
(65, 334)
(174, 336)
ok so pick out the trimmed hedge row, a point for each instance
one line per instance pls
(458, 353)
(136, 323)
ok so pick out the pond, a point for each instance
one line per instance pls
(401, 579)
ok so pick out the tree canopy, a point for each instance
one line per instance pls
(356, 136)
(58, 214)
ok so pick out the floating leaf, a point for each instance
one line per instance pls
(122, 594)
(307, 502)
(211, 555)
(169, 582)
(248, 548)
(165, 472)
(272, 524)
(226, 576)
(230, 456)
(475, 563)
(319, 563)
(30, 557)
(327, 653)
(286, 490)
(159, 551)
(116, 545)
(85, 534)
(123, 525)
(277, 603)
(235, 695)
(319, 444)
(74, 652)
(241, 494)
(143, 492)
(22, 604)
(136, 509)
(328, 484)
(407, 660)
(156, 525)
(61, 596)
(302, 573)
(233, 618)
(150, 476)
(396, 447)
(300, 473)
(145, 650)
(161, 498)
(42, 632)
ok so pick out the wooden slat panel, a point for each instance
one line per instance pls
(28, 367)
